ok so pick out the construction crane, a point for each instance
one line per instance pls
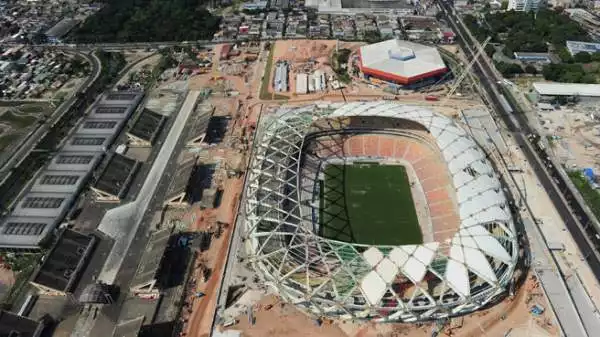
(466, 70)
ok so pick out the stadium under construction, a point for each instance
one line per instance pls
(430, 236)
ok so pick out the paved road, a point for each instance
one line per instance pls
(569, 210)
(33, 138)
(542, 166)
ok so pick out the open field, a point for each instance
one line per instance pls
(18, 118)
(368, 204)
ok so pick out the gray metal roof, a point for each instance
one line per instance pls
(49, 181)
(74, 161)
(62, 28)
(58, 185)
(567, 89)
(35, 204)
(25, 232)
(121, 98)
(91, 126)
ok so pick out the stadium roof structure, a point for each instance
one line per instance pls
(567, 89)
(401, 61)
(349, 280)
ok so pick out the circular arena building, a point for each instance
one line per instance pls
(376, 211)
(401, 62)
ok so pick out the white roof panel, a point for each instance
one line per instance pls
(401, 58)
(479, 264)
(491, 244)
(387, 270)
(567, 89)
(373, 286)
(373, 256)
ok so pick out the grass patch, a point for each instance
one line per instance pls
(16, 120)
(33, 108)
(6, 140)
(589, 194)
(264, 87)
(368, 204)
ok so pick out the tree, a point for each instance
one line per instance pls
(489, 50)
(595, 57)
(530, 69)
(582, 57)
(565, 55)
(504, 5)
(148, 20)
(508, 69)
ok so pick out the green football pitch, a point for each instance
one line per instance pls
(368, 203)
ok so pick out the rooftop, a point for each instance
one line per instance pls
(12, 325)
(116, 176)
(121, 98)
(178, 189)
(59, 181)
(62, 265)
(25, 232)
(567, 89)
(575, 47)
(147, 126)
(46, 204)
(401, 58)
(150, 262)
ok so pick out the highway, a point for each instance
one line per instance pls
(569, 209)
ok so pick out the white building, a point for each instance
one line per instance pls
(301, 84)
(526, 5)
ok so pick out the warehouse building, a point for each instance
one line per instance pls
(584, 94)
(57, 32)
(280, 81)
(62, 267)
(301, 84)
(402, 62)
(35, 216)
(575, 47)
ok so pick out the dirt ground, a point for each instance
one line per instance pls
(511, 315)
(199, 313)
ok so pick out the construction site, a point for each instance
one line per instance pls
(213, 296)
(191, 276)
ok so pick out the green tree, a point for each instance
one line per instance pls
(582, 57)
(531, 69)
(504, 5)
(565, 55)
(148, 20)
(489, 50)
